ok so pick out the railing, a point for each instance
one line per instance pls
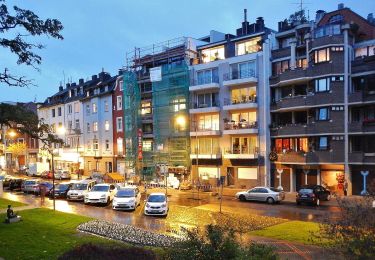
(233, 125)
(241, 149)
(196, 105)
(206, 150)
(240, 74)
(205, 80)
(240, 100)
(205, 127)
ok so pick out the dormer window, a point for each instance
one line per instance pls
(248, 46)
(338, 18)
(213, 54)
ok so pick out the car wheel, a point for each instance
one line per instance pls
(317, 203)
(242, 198)
(270, 200)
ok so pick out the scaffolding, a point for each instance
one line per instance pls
(169, 97)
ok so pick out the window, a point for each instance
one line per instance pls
(208, 122)
(59, 111)
(95, 144)
(301, 63)
(322, 85)
(243, 95)
(70, 109)
(119, 124)
(243, 70)
(88, 128)
(208, 76)
(322, 143)
(95, 127)
(107, 145)
(70, 125)
(121, 83)
(243, 145)
(147, 145)
(120, 146)
(76, 107)
(53, 112)
(321, 55)
(119, 102)
(216, 53)
(249, 46)
(280, 67)
(322, 114)
(285, 42)
(146, 108)
(337, 78)
(106, 125)
(88, 109)
(283, 145)
(338, 18)
(77, 124)
(205, 145)
(337, 48)
(179, 104)
(205, 100)
(106, 106)
(94, 108)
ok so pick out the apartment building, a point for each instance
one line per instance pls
(318, 91)
(229, 107)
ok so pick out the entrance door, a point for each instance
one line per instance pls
(230, 174)
(300, 178)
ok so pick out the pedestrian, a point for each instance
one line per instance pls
(345, 188)
(42, 190)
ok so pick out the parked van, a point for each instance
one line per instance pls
(80, 189)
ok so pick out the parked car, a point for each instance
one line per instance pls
(48, 188)
(101, 194)
(312, 194)
(79, 190)
(30, 186)
(266, 194)
(6, 180)
(61, 174)
(156, 204)
(61, 190)
(46, 175)
(127, 198)
(15, 184)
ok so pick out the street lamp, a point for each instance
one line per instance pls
(12, 134)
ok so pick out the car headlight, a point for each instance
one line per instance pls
(147, 205)
(164, 205)
(87, 196)
(103, 196)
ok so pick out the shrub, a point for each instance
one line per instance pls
(218, 243)
(90, 251)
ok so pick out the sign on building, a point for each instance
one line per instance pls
(140, 155)
(155, 74)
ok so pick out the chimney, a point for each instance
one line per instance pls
(120, 72)
(370, 18)
(245, 15)
(340, 6)
(67, 85)
(260, 24)
(73, 84)
(61, 88)
(81, 81)
(94, 77)
(319, 15)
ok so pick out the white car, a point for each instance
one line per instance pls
(156, 204)
(80, 189)
(127, 198)
(60, 174)
(101, 194)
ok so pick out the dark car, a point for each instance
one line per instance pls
(15, 184)
(61, 190)
(48, 187)
(312, 194)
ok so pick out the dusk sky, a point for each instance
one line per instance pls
(99, 33)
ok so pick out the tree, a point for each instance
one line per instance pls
(27, 22)
(17, 149)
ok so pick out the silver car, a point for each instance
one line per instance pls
(60, 174)
(266, 194)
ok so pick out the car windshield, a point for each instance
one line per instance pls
(30, 182)
(306, 190)
(62, 186)
(156, 198)
(47, 184)
(125, 193)
(100, 188)
(79, 186)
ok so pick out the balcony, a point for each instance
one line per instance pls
(314, 127)
(362, 96)
(362, 64)
(361, 157)
(214, 153)
(146, 118)
(240, 77)
(240, 103)
(205, 83)
(367, 125)
(205, 130)
(328, 156)
(200, 108)
(237, 128)
(237, 152)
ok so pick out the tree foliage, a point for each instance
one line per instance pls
(16, 27)
(17, 149)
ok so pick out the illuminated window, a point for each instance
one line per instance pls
(179, 104)
(216, 53)
(95, 143)
(301, 63)
(95, 127)
(120, 145)
(322, 55)
(243, 95)
(208, 122)
(147, 145)
(94, 108)
(106, 125)
(107, 145)
(146, 108)
(106, 106)
(249, 46)
(322, 85)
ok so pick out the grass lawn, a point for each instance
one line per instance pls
(4, 203)
(44, 234)
(294, 231)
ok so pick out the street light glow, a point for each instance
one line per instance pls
(61, 130)
(180, 120)
(12, 134)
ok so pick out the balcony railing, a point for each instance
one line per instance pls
(241, 149)
(205, 127)
(233, 125)
(240, 74)
(240, 100)
(196, 105)
(206, 150)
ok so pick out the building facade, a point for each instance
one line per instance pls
(312, 108)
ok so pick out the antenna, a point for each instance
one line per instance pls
(64, 77)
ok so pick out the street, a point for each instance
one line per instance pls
(181, 203)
